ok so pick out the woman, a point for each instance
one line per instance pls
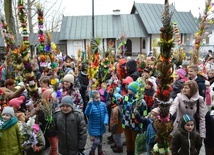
(189, 102)
(45, 113)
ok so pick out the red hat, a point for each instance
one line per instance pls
(16, 102)
(128, 80)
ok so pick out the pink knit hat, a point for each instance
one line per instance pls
(182, 73)
(16, 102)
(48, 94)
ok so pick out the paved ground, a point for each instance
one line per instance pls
(107, 149)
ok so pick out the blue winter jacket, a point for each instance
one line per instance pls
(98, 118)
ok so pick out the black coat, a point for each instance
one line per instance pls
(186, 143)
(201, 85)
(209, 140)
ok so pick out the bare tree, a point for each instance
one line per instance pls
(8, 11)
(52, 14)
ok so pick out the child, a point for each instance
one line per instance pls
(30, 110)
(125, 84)
(71, 128)
(9, 133)
(132, 111)
(98, 118)
(103, 93)
(180, 78)
(150, 132)
(209, 140)
(149, 92)
(16, 104)
(186, 140)
(36, 149)
(116, 123)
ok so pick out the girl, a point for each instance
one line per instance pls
(186, 140)
(9, 133)
(98, 118)
(68, 89)
(45, 112)
(180, 78)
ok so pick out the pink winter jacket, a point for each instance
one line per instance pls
(183, 105)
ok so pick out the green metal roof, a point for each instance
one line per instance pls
(33, 38)
(105, 26)
(150, 15)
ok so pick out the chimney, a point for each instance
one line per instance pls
(116, 12)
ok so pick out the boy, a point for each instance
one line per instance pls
(187, 139)
(71, 128)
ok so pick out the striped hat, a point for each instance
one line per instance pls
(186, 118)
(134, 87)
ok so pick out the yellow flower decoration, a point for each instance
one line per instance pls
(54, 81)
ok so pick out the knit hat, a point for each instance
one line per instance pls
(128, 80)
(16, 102)
(152, 82)
(67, 100)
(185, 63)
(131, 66)
(186, 118)
(133, 86)
(8, 110)
(69, 78)
(182, 73)
(49, 94)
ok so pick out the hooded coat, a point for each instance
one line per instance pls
(10, 141)
(186, 143)
(131, 69)
(184, 105)
(98, 117)
(72, 132)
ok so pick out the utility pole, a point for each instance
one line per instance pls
(93, 19)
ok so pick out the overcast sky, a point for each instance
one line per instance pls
(102, 7)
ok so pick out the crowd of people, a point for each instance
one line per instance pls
(63, 117)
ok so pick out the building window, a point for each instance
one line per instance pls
(144, 44)
(111, 43)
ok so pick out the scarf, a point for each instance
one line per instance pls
(9, 123)
(208, 97)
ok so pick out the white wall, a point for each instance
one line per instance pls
(211, 38)
(74, 46)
